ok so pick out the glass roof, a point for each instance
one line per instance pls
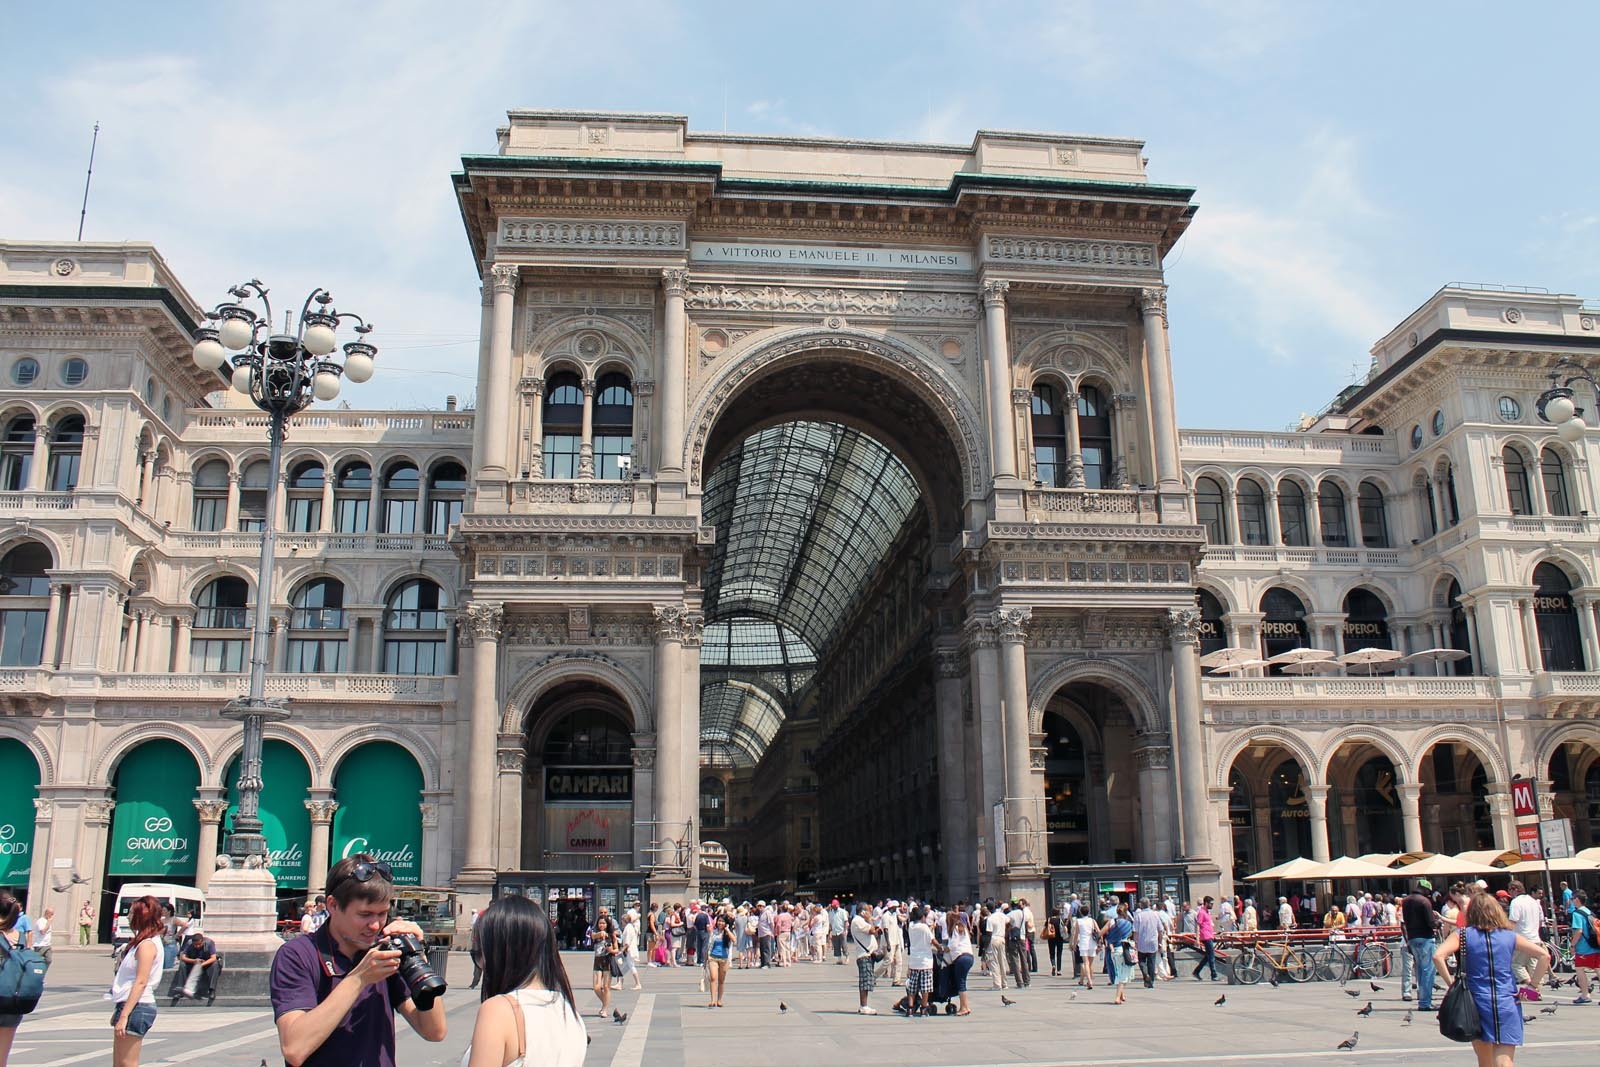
(805, 513)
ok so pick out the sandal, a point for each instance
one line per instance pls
(967, 1012)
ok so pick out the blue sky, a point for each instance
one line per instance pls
(1348, 161)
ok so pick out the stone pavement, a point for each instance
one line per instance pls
(669, 1025)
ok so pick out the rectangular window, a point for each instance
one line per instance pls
(252, 510)
(443, 514)
(608, 449)
(400, 516)
(64, 472)
(304, 514)
(350, 514)
(1052, 468)
(1292, 520)
(561, 455)
(316, 656)
(1096, 467)
(21, 638)
(14, 472)
(210, 512)
(218, 655)
(414, 657)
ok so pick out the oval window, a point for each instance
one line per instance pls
(25, 371)
(1416, 437)
(1438, 423)
(1510, 410)
(74, 371)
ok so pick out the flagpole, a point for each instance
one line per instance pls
(87, 178)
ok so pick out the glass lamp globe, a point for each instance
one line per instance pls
(358, 367)
(241, 379)
(235, 333)
(318, 339)
(1559, 409)
(1572, 430)
(209, 355)
(325, 385)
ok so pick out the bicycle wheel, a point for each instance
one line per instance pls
(1299, 964)
(1375, 960)
(1335, 964)
(1247, 968)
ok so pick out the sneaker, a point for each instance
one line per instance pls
(1581, 999)
(1406, 997)
(866, 1010)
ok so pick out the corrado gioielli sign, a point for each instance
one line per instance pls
(588, 785)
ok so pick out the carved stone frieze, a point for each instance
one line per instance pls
(1071, 252)
(808, 300)
(593, 235)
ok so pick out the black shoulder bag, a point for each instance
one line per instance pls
(1458, 1012)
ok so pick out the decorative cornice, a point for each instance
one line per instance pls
(1071, 252)
(592, 235)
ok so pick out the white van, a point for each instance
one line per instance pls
(188, 905)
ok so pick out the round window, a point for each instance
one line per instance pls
(1416, 437)
(1510, 410)
(25, 371)
(1438, 423)
(74, 371)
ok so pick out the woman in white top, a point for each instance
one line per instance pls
(133, 991)
(630, 947)
(1088, 937)
(527, 1014)
(958, 956)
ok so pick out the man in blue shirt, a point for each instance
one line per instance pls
(1585, 944)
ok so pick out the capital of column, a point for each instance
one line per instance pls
(1011, 624)
(1022, 397)
(674, 281)
(1155, 757)
(211, 811)
(676, 623)
(486, 294)
(980, 632)
(430, 815)
(1183, 626)
(43, 808)
(1153, 301)
(994, 293)
(510, 760)
(644, 758)
(322, 811)
(531, 386)
(503, 277)
(481, 619)
(98, 812)
(588, 386)
(950, 663)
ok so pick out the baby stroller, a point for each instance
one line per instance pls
(942, 992)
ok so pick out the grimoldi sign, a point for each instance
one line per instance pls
(850, 257)
(588, 785)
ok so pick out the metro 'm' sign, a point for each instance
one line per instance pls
(1524, 804)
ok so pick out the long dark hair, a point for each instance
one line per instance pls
(9, 910)
(518, 946)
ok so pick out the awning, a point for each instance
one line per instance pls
(19, 784)
(155, 830)
(1295, 869)
(380, 796)
(1492, 856)
(718, 876)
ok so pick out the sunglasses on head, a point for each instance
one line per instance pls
(366, 869)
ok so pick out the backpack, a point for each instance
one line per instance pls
(21, 979)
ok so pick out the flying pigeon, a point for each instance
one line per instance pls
(1220, 1001)
(1366, 1010)
(618, 1017)
(1349, 1043)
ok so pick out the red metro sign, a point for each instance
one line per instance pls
(1524, 802)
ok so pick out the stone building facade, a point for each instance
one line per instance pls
(823, 501)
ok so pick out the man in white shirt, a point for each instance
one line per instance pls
(1252, 921)
(1285, 914)
(995, 957)
(1016, 939)
(44, 932)
(1527, 915)
(893, 942)
(863, 942)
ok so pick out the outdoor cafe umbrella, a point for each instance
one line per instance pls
(1438, 655)
(1499, 859)
(1350, 867)
(1242, 665)
(1227, 657)
(1312, 666)
(1437, 866)
(1300, 655)
(1394, 859)
(1371, 659)
(1294, 869)
(1571, 863)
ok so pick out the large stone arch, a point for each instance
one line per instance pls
(1484, 748)
(49, 539)
(1142, 700)
(273, 731)
(422, 750)
(1583, 732)
(1073, 355)
(125, 741)
(897, 359)
(1232, 746)
(555, 346)
(586, 666)
(1387, 745)
(35, 744)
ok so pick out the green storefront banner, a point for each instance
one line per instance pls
(19, 784)
(379, 789)
(155, 829)
(286, 784)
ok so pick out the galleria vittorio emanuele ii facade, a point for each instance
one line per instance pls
(822, 523)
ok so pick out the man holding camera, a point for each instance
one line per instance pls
(335, 992)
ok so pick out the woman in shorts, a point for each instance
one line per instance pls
(133, 991)
(606, 946)
(719, 954)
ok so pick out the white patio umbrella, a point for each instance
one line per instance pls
(1224, 657)
(1300, 655)
(1394, 859)
(1590, 853)
(1312, 666)
(1294, 869)
(1438, 655)
(1350, 867)
(1435, 866)
(1370, 660)
(1571, 863)
(1241, 666)
(1497, 858)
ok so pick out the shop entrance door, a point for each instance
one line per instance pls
(572, 921)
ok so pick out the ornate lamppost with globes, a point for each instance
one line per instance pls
(1556, 404)
(281, 373)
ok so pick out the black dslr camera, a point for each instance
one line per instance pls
(422, 981)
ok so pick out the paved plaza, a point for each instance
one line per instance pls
(668, 1025)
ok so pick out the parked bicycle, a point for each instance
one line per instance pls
(1297, 963)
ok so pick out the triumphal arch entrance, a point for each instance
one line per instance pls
(825, 532)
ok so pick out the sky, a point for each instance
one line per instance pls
(1349, 160)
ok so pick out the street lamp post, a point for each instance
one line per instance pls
(281, 373)
(1556, 404)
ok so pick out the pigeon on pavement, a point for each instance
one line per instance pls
(782, 1006)
(1007, 1001)
(1220, 1001)
(1349, 1043)
(1352, 993)
(1366, 1010)
(1407, 1020)
(1376, 988)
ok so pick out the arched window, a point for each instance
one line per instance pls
(1252, 502)
(563, 425)
(1291, 812)
(304, 511)
(447, 488)
(713, 803)
(415, 629)
(24, 604)
(1366, 621)
(221, 642)
(1283, 626)
(1335, 523)
(588, 737)
(1049, 436)
(317, 635)
(1094, 436)
(1556, 500)
(66, 453)
(1560, 643)
(211, 496)
(1210, 509)
(613, 425)
(16, 453)
(1213, 634)
(352, 495)
(1374, 523)
(400, 488)
(1429, 504)
(253, 496)
(1516, 480)
(1292, 514)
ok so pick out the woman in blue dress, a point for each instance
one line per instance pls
(1490, 942)
(1117, 930)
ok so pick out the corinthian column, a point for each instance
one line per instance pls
(673, 374)
(1002, 430)
(211, 810)
(1163, 409)
(678, 747)
(321, 842)
(1024, 802)
(1183, 628)
(495, 407)
(482, 619)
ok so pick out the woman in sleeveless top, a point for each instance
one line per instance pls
(133, 990)
(1490, 940)
(527, 1014)
(1088, 952)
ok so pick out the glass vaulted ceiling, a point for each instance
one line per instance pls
(805, 512)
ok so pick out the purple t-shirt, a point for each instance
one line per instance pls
(299, 982)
